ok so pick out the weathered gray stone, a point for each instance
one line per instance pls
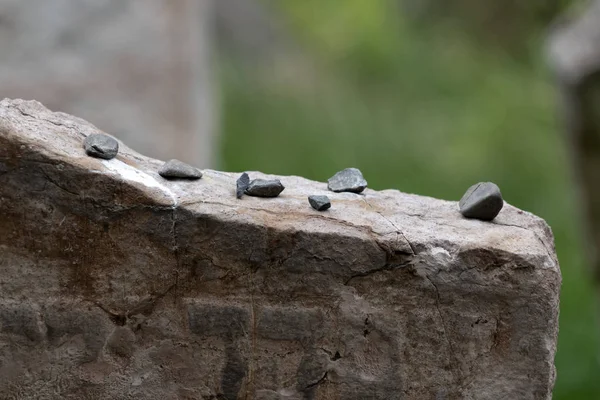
(242, 184)
(121, 342)
(22, 320)
(347, 180)
(264, 188)
(175, 169)
(319, 203)
(481, 201)
(218, 320)
(101, 146)
(290, 324)
(117, 284)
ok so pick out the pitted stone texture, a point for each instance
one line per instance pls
(290, 324)
(118, 284)
(219, 320)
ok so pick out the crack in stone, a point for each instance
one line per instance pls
(275, 261)
(201, 279)
(144, 306)
(46, 120)
(398, 230)
(329, 353)
(119, 208)
(549, 253)
(316, 256)
(251, 367)
(414, 252)
(386, 267)
(317, 383)
(437, 306)
(117, 317)
(149, 304)
(175, 242)
(57, 185)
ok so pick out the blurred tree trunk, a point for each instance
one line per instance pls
(574, 50)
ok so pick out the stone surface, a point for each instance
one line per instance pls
(141, 69)
(242, 184)
(319, 203)
(175, 169)
(481, 201)
(101, 146)
(347, 180)
(264, 188)
(117, 284)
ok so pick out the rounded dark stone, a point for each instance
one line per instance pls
(242, 184)
(101, 146)
(319, 203)
(481, 201)
(347, 180)
(264, 188)
(175, 169)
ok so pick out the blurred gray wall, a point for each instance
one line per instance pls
(138, 69)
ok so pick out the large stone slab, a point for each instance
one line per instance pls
(116, 283)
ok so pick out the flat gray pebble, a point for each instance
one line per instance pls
(481, 201)
(319, 203)
(264, 188)
(101, 146)
(241, 185)
(175, 169)
(347, 180)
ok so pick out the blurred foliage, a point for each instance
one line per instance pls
(511, 25)
(424, 108)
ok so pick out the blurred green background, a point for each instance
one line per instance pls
(426, 97)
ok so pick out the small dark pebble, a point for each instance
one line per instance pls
(264, 188)
(242, 184)
(347, 180)
(319, 203)
(175, 169)
(101, 146)
(481, 201)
